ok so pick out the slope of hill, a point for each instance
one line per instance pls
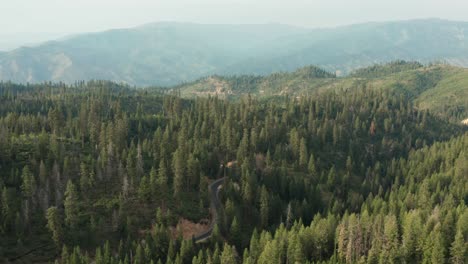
(282, 83)
(173, 53)
(381, 70)
(439, 88)
(450, 95)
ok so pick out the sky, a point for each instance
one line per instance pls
(28, 21)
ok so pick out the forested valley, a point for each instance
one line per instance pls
(100, 172)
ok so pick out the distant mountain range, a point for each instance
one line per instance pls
(166, 54)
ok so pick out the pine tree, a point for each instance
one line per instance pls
(311, 166)
(331, 179)
(98, 256)
(29, 184)
(458, 250)
(153, 181)
(178, 164)
(54, 225)
(264, 207)
(412, 230)
(193, 171)
(295, 142)
(42, 172)
(243, 150)
(438, 250)
(5, 208)
(235, 233)
(159, 217)
(162, 179)
(270, 253)
(295, 252)
(254, 247)
(342, 239)
(249, 183)
(228, 256)
(303, 156)
(199, 259)
(144, 191)
(139, 255)
(65, 255)
(84, 176)
(139, 162)
(71, 205)
(216, 258)
(390, 245)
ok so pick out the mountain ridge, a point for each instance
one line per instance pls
(172, 53)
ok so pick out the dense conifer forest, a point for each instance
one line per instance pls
(100, 172)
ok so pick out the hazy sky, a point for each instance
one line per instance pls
(46, 18)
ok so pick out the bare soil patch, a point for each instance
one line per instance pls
(188, 228)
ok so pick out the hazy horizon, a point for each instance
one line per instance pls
(11, 41)
(38, 21)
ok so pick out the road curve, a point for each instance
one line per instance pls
(215, 205)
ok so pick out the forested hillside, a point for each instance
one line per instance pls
(439, 88)
(360, 172)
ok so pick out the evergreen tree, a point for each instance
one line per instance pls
(295, 252)
(228, 256)
(162, 179)
(458, 250)
(438, 250)
(311, 166)
(84, 177)
(54, 225)
(71, 205)
(6, 211)
(29, 183)
(303, 156)
(264, 207)
(235, 233)
(179, 171)
(153, 181)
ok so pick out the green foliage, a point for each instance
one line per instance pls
(382, 70)
(28, 182)
(438, 88)
(228, 256)
(353, 176)
(71, 205)
(458, 249)
(54, 224)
